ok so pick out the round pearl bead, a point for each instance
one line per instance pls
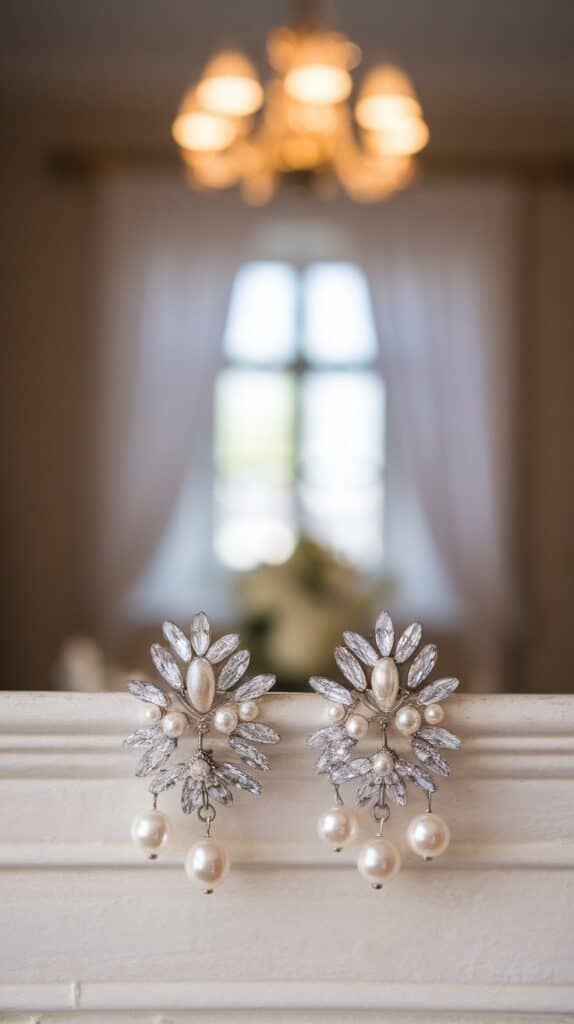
(428, 835)
(149, 831)
(199, 769)
(225, 719)
(357, 726)
(174, 724)
(408, 720)
(248, 711)
(383, 763)
(151, 714)
(207, 864)
(337, 826)
(335, 713)
(434, 714)
(379, 859)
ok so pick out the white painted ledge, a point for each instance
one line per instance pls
(90, 928)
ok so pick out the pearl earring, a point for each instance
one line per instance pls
(380, 701)
(204, 702)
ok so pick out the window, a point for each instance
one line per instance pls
(299, 416)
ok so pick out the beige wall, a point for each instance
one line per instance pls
(45, 387)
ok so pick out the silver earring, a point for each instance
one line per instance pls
(202, 701)
(387, 699)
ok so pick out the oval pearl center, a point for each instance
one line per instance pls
(200, 684)
(385, 683)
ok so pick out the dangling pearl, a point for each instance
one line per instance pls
(408, 720)
(335, 713)
(207, 864)
(225, 719)
(200, 768)
(379, 859)
(151, 714)
(383, 763)
(434, 714)
(357, 726)
(248, 711)
(174, 724)
(200, 684)
(428, 835)
(337, 826)
(149, 831)
(385, 683)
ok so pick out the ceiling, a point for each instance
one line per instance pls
(496, 69)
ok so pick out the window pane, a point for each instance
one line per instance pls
(254, 453)
(342, 455)
(260, 324)
(338, 318)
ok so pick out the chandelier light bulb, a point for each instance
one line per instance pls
(318, 83)
(400, 139)
(387, 96)
(229, 86)
(198, 130)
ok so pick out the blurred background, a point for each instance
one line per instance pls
(301, 353)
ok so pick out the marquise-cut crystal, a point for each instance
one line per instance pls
(254, 688)
(351, 668)
(439, 737)
(144, 738)
(430, 757)
(384, 634)
(222, 648)
(233, 670)
(361, 648)
(167, 666)
(148, 692)
(167, 777)
(422, 666)
(408, 642)
(156, 756)
(253, 758)
(237, 777)
(330, 690)
(200, 633)
(435, 692)
(177, 640)
(257, 732)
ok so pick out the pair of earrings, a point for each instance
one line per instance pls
(208, 695)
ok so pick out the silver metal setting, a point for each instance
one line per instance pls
(378, 682)
(221, 669)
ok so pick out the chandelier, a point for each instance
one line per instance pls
(304, 124)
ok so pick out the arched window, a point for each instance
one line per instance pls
(299, 428)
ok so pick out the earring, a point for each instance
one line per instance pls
(396, 709)
(203, 700)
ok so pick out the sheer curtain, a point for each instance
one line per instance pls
(442, 263)
(167, 260)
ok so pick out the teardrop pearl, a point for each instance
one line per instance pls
(200, 684)
(379, 859)
(207, 864)
(149, 831)
(337, 826)
(385, 683)
(428, 835)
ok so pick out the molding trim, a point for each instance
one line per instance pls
(553, 855)
(289, 995)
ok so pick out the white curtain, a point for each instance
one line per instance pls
(442, 267)
(166, 267)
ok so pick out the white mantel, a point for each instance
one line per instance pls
(91, 931)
